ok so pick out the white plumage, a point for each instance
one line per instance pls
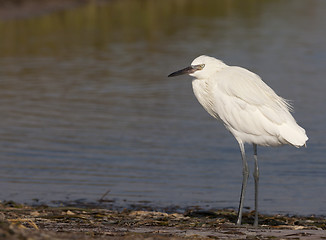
(247, 107)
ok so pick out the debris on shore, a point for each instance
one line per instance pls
(19, 221)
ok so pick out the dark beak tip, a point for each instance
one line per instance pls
(172, 74)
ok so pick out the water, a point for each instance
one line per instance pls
(86, 106)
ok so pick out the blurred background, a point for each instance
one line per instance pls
(86, 107)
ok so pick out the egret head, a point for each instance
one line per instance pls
(202, 67)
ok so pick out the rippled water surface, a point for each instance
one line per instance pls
(86, 106)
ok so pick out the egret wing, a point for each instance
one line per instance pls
(252, 111)
(242, 84)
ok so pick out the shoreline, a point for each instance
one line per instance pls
(23, 9)
(95, 222)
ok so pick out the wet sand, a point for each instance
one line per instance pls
(95, 222)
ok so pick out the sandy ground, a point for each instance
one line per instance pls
(71, 222)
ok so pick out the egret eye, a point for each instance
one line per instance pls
(199, 66)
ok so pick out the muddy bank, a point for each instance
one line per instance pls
(70, 222)
(16, 9)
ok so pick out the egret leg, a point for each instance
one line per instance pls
(256, 177)
(245, 173)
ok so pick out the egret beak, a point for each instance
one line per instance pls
(187, 70)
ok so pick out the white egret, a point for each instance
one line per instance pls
(247, 107)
